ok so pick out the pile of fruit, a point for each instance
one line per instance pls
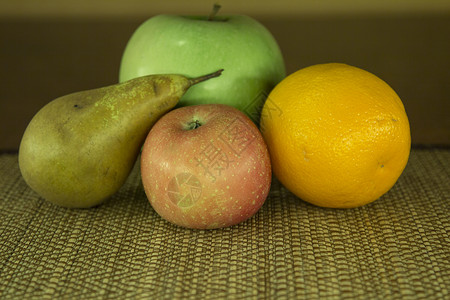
(334, 135)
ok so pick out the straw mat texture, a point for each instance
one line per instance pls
(398, 247)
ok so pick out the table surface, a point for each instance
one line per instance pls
(397, 247)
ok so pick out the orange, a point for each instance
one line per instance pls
(338, 136)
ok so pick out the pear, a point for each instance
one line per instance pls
(79, 149)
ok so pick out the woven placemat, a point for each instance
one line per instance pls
(398, 247)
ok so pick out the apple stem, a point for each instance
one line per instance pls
(214, 11)
(194, 125)
(205, 77)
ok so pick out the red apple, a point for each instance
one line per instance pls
(205, 166)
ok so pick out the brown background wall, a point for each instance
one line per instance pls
(55, 50)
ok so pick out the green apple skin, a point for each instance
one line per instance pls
(189, 45)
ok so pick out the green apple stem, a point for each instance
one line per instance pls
(214, 11)
(205, 77)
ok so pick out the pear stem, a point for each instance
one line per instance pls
(214, 11)
(196, 80)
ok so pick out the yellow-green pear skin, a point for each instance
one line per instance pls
(79, 149)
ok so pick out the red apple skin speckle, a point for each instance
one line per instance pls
(216, 175)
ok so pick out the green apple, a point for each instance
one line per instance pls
(194, 45)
